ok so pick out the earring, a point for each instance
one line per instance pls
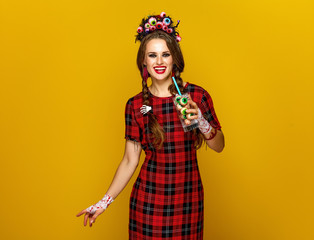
(145, 74)
(173, 74)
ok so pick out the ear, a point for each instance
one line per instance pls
(144, 61)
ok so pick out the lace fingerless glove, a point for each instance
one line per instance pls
(103, 203)
(203, 125)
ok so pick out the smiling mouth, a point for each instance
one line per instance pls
(160, 70)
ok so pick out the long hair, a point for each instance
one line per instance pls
(157, 133)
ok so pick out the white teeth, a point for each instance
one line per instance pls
(160, 68)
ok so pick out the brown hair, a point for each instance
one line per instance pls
(157, 133)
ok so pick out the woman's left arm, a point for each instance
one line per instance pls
(217, 143)
(214, 138)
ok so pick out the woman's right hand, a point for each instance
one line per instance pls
(92, 212)
(90, 217)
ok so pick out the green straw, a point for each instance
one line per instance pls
(175, 83)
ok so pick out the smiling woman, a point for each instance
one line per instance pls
(158, 60)
(167, 198)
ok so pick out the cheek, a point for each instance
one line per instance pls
(146, 61)
(149, 62)
(170, 62)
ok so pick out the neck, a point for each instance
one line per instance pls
(160, 88)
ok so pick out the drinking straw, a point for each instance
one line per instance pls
(175, 83)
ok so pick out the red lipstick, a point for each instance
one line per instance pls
(160, 69)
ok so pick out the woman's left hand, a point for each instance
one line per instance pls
(193, 108)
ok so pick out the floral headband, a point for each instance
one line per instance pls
(157, 22)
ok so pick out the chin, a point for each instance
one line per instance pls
(162, 77)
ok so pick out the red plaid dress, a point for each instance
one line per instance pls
(167, 198)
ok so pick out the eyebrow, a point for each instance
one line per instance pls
(162, 52)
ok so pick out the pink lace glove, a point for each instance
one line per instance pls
(203, 126)
(103, 203)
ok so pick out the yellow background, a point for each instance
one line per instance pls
(67, 69)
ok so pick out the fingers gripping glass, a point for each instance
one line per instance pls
(181, 103)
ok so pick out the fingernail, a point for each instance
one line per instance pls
(92, 221)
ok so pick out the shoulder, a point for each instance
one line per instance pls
(132, 109)
(197, 92)
(195, 89)
(136, 100)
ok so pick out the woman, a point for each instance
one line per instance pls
(167, 198)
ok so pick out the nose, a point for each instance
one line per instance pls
(159, 60)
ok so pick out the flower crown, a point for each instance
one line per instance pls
(157, 22)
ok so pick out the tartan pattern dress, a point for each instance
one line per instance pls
(167, 199)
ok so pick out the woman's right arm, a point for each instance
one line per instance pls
(126, 168)
(121, 178)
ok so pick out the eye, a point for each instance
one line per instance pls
(152, 28)
(183, 111)
(178, 38)
(165, 28)
(166, 55)
(159, 25)
(139, 29)
(163, 14)
(166, 21)
(152, 55)
(147, 25)
(183, 101)
(169, 30)
(152, 21)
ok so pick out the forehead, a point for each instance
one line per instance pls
(156, 45)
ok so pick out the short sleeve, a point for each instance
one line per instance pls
(208, 111)
(132, 129)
